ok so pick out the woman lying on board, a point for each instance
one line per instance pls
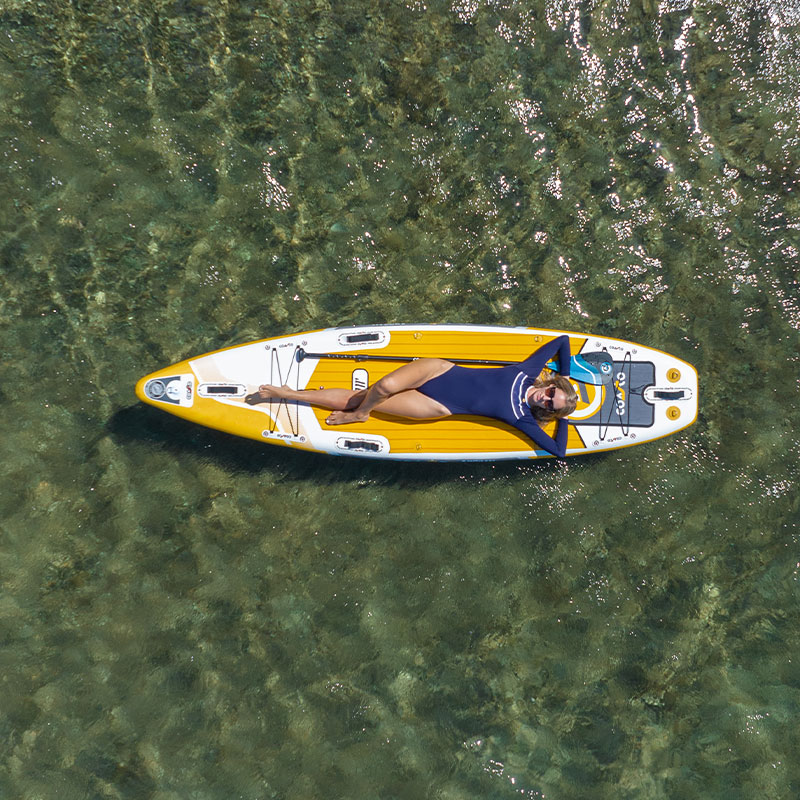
(521, 394)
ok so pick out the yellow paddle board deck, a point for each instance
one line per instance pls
(646, 395)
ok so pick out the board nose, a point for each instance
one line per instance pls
(139, 389)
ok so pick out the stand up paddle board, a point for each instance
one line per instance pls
(627, 394)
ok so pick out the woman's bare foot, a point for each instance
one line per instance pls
(343, 417)
(266, 393)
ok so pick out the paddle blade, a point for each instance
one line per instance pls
(593, 368)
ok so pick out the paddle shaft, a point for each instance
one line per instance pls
(302, 354)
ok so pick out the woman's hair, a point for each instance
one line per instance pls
(560, 382)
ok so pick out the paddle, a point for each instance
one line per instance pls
(593, 368)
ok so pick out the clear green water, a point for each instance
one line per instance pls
(183, 615)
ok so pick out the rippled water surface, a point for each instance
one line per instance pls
(185, 615)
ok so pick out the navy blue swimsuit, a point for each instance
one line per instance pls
(499, 392)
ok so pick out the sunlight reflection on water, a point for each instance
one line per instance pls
(183, 613)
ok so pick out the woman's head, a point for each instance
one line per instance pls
(553, 397)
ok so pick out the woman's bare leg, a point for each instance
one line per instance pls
(411, 404)
(334, 399)
(393, 394)
(385, 394)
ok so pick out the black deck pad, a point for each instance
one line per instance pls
(624, 405)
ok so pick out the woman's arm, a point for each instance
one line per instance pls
(536, 361)
(556, 447)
